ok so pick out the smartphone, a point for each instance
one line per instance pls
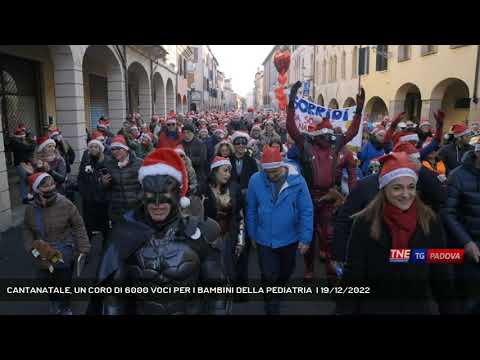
(104, 171)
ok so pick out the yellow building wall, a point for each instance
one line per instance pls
(423, 71)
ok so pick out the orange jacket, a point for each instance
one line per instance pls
(439, 167)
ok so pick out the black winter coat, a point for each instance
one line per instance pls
(428, 186)
(248, 169)
(22, 151)
(197, 152)
(395, 288)
(461, 212)
(452, 155)
(210, 210)
(124, 191)
(89, 182)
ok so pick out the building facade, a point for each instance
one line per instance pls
(72, 86)
(258, 90)
(301, 68)
(270, 76)
(335, 75)
(417, 79)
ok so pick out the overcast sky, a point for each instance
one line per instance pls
(240, 62)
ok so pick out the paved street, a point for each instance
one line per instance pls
(15, 264)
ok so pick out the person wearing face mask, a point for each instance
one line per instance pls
(318, 158)
(396, 219)
(222, 202)
(53, 221)
(142, 247)
(279, 221)
(218, 135)
(121, 180)
(374, 148)
(92, 191)
(48, 159)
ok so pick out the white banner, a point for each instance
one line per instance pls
(307, 112)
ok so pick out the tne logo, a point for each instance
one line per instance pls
(399, 255)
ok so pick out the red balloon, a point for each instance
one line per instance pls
(282, 61)
(282, 79)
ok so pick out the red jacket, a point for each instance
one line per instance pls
(323, 157)
(346, 160)
(168, 142)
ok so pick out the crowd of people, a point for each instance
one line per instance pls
(185, 198)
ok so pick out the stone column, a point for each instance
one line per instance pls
(70, 102)
(117, 104)
(396, 106)
(429, 107)
(145, 107)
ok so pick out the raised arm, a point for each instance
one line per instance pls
(292, 128)
(393, 126)
(353, 129)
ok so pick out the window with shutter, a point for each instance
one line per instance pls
(382, 57)
(363, 61)
(429, 49)
(354, 62)
(403, 52)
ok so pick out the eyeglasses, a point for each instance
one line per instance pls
(240, 142)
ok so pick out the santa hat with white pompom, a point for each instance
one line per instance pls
(165, 161)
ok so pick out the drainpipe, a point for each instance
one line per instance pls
(475, 86)
(151, 87)
(126, 78)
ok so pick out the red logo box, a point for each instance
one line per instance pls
(445, 256)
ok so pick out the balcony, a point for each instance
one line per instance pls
(154, 51)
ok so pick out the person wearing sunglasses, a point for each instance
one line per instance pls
(170, 136)
(243, 167)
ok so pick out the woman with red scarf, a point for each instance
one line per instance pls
(396, 219)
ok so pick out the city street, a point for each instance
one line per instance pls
(15, 264)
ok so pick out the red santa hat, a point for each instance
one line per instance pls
(35, 179)
(395, 165)
(424, 122)
(103, 123)
(219, 161)
(221, 130)
(119, 142)
(145, 138)
(408, 136)
(322, 128)
(203, 129)
(256, 127)
(97, 138)
(43, 141)
(460, 130)
(165, 161)
(271, 158)
(407, 148)
(19, 132)
(54, 131)
(239, 134)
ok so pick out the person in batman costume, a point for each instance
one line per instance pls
(158, 246)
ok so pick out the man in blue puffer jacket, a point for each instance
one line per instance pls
(279, 220)
(373, 149)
